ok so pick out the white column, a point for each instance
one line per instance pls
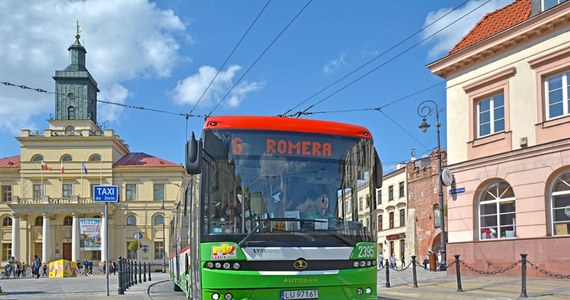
(103, 239)
(46, 240)
(16, 236)
(75, 238)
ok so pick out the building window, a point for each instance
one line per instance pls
(39, 221)
(360, 203)
(95, 255)
(37, 191)
(497, 211)
(391, 219)
(67, 221)
(159, 220)
(159, 250)
(7, 221)
(69, 130)
(131, 254)
(131, 190)
(491, 115)
(6, 251)
(548, 4)
(6, 193)
(95, 157)
(131, 220)
(67, 189)
(557, 99)
(66, 157)
(158, 192)
(379, 198)
(561, 205)
(71, 113)
(37, 158)
(380, 221)
(401, 190)
(402, 217)
(391, 193)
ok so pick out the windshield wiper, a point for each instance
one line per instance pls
(262, 222)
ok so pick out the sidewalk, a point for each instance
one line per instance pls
(437, 285)
(93, 287)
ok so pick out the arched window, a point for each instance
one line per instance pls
(39, 221)
(7, 221)
(67, 221)
(561, 205)
(66, 157)
(95, 157)
(131, 220)
(38, 158)
(159, 220)
(69, 130)
(71, 113)
(497, 211)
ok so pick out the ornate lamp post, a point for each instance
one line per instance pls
(425, 109)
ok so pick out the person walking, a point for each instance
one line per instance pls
(44, 270)
(36, 267)
(113, 267)
(380, 261)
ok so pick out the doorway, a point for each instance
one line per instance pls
(67, 251)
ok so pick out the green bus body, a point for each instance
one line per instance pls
(245, 225)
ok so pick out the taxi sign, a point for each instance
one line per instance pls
(106, 193)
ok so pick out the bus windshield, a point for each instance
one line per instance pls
(270, 188)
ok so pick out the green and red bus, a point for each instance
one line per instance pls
(246, 225)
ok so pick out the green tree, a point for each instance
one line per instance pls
(133, 245)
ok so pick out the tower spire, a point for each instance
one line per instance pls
(79, 29)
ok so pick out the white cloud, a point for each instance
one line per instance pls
(449, 37)
(124, 40)
(189, 90)
(335, 64)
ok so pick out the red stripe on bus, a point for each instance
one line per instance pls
(286, 124)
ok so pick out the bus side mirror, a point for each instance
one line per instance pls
(193, 155)
(377, 171)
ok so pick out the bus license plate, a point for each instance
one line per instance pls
(306, 294)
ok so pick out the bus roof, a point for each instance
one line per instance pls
(286, 124)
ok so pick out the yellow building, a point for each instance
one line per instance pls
(46, 190)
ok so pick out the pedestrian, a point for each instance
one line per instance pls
(425, 262)
(85, 267)
(44, 270)
(380, 261)
(90, 267)
(36, 267)
(113, 267)
(394, 260)
(438, 259)
(403, 261)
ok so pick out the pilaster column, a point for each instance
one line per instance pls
(16, 236)
(103, 238)
(46, 241)
(75, 238)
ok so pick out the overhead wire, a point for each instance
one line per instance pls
(298, 114)
(259, 57)
(229, 56)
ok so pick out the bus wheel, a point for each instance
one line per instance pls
(177, 288)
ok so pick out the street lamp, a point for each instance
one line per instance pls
(163, 240)
(425, 109)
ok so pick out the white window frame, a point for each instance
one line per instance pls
(542, 4)
(65, 192)
(492, 119)
(565, 100)
(553, 208)
(127, 192)
(497, 201)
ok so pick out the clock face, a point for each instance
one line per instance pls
(71, 96)
(446, 177)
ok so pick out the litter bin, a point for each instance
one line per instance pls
(432, 261)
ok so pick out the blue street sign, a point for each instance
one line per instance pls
(457, 191)
(105, 193)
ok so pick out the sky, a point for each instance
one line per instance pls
(361, 62)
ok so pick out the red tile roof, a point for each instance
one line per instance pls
(139, 159)
(495, 22)
(10, 162)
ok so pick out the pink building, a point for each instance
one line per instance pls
(508, 112)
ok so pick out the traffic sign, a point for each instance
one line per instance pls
(105, 193)
(457, 191)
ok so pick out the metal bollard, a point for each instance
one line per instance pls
(134, 275)
(523, 274)
(140, 272)
(458, 273)
(387, 274)
(131, 283)
(120, 290)
(414, 274)
(144, 271)
(149, 272)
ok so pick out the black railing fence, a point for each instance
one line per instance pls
(458, 263)
(128, 270)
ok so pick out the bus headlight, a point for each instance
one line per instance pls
(355, 264)
(209, 265)
(228, 296)
(368, 291)
(227, 265)
(216, 296)
(236, 266)
(359, 291)
(362, 263)
(218, 265)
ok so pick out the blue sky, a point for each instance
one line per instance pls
(162, 55)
